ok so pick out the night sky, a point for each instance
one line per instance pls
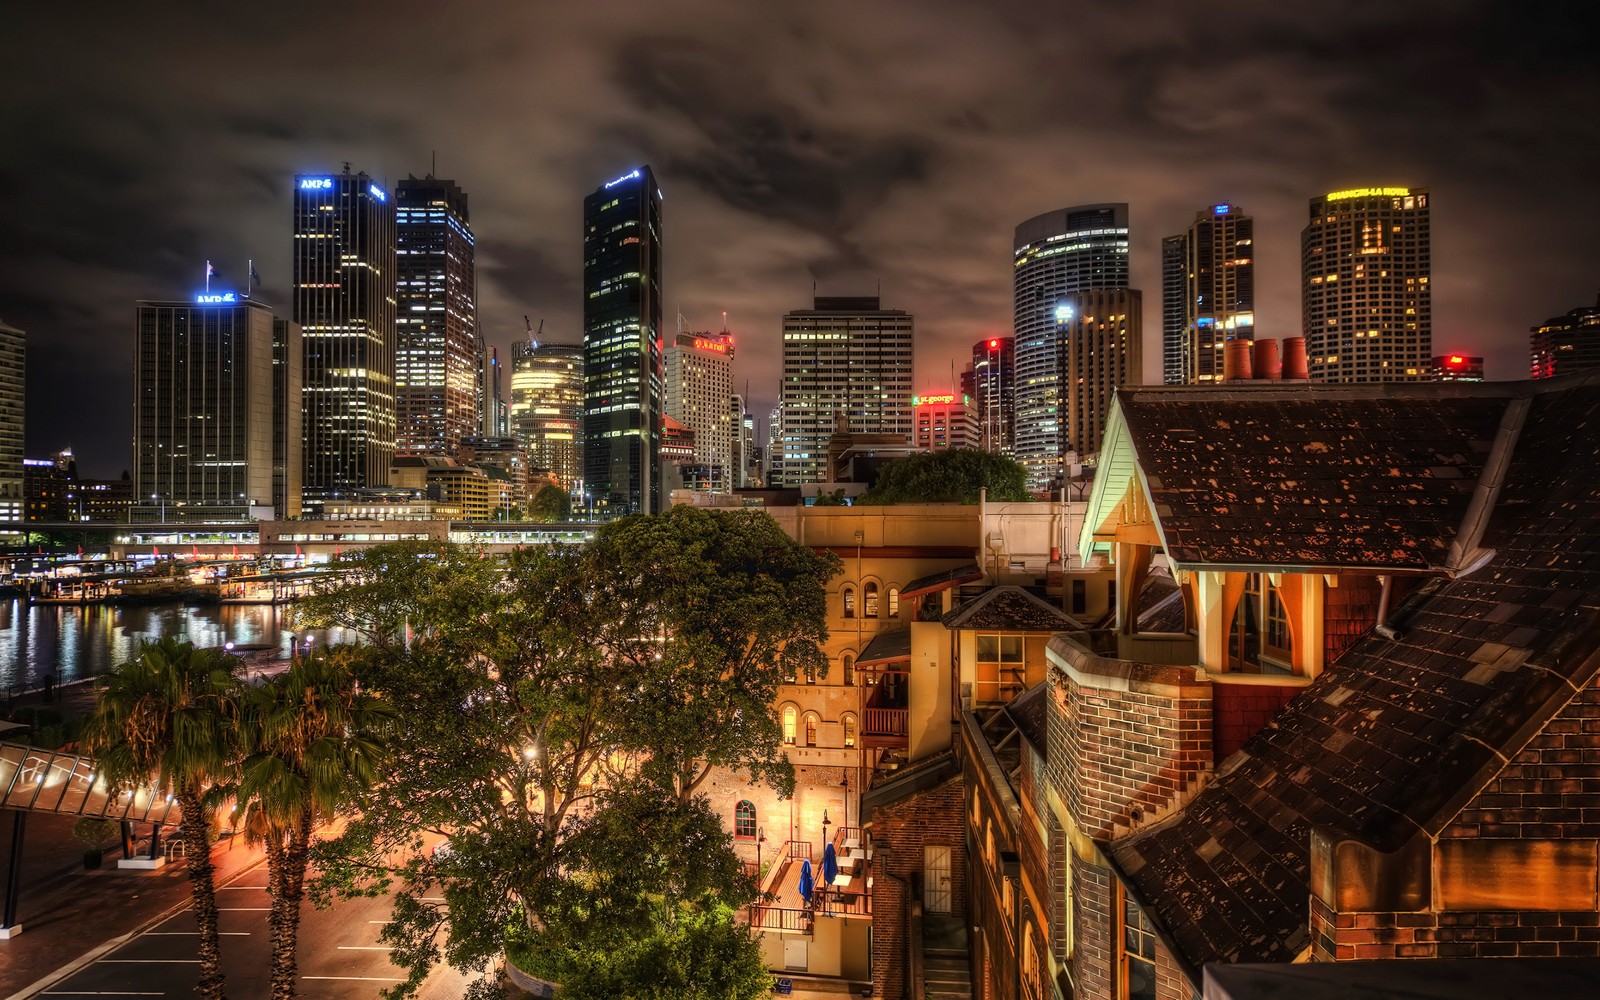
(844, 143)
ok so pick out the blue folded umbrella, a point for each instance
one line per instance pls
(830, 864)
(806, 884)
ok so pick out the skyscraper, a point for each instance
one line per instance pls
(1174, 306)
(1211, 269)
(436, 342)
(344, 301)
(13, 372)
(1366, 307)
(547, 409)
(494, 413)
(1057, 256)
(993, 387)
(945, 419)
(1102, 350)
(209, 413)
(622, 391)
(1566, 344)
(843, 358)
(699, 393)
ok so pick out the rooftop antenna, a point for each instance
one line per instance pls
(724, 321)
(347, 167)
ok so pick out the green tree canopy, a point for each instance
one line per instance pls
(952, 476)
(559, 712)
(550, 505)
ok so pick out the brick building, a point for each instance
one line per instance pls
(1372, 737)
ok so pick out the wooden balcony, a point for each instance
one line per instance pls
(885, 727)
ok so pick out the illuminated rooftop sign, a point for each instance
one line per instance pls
(377, 192)
(631, 175)
(938, 399)
(216, 298)
(1220, 209)
(316, 183)
(719, 346)
(1368, 193)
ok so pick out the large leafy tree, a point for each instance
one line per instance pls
(545, 738)
(721, 608)
(312, 740)
(550, 504)
(167, 717)
(952, 476)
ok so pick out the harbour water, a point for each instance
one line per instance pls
(73, 642)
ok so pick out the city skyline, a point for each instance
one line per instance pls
(796, 177)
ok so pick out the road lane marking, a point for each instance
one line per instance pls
(194, 933)
(358, 979)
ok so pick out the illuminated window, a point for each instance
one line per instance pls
(849, 602)
(788, 724)
(869, 600)
(1277, 621)
(811, 729)
(1136, 951)
(849, 731)
(894, 602)
(849, 670)
(998, 667)
(744, 819)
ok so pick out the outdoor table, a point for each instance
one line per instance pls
(851, 845)
(841, 880)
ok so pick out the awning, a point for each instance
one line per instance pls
(886, 647)
(942, 580)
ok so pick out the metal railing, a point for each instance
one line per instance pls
(778, 918)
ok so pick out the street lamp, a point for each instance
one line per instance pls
(1063, 317)
(761, 838)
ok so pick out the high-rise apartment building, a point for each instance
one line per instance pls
(13, 397)
(344, 301)
(436, 318)
(945, 419)
(1102, 351)
(494, 410)
(1566, 344)
(210, 419)
(843, 359)
(991, 381)
(1174, 306)
(699, 392)
(1365, 266)
(622, 389)
(547, 409)
(1211, 268)
(1057, 257)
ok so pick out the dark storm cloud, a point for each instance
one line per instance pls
(843, 142)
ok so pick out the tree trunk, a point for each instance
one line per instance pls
(289, 889)
(203, 890)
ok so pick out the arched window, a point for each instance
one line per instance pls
(811, 729)
(894, 602)
(788, 724)
(849, 730)
(849, 670)
(744, 819)
(849, 602)
(869, 601)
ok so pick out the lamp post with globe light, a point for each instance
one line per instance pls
(1063, 317)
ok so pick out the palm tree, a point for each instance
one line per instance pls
(312, 740)
(166, 718)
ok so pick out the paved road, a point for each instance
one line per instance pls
(340, 957)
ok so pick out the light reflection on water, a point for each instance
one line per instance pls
(74, 642)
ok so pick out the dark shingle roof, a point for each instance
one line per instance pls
(1330, 476)
(1028, 712)
(1010, 609)
(1161, 605)
(1398, 734)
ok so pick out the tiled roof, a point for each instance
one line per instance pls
(1161, 605)
(942, 580)
(886, 647)
(1328, 476)
(1398, 734)
(1010, 609)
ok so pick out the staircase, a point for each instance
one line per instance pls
(946, 969)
